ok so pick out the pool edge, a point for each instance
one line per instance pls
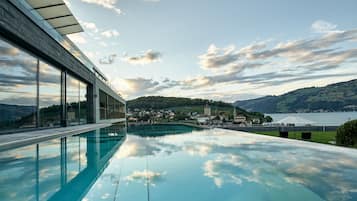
(47, 134)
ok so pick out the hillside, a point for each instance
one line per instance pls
(14, 112)
(335, 97)
(186, 105)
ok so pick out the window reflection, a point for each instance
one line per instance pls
(110, 108)
(18, 92)
(72, 100)
(50, 95)
(103, 104)
(59, 169)
(83, 103)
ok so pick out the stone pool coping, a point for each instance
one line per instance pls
(10, 141)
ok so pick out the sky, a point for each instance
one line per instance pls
(218, 49)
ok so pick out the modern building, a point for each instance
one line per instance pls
(45, 80)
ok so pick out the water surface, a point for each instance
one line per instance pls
(197, 165)
(320, 119)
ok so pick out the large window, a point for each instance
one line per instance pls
(18, 88)
(72, 100)
(50, 96)
(103, 105)
(32, 93)
(110, 108)
(76, 101)
(83, 103)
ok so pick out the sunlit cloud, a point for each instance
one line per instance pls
(108, 59)
(145, 176)
(152, 1)
(91, 26)
(321, 26)
(259, 65)
(108, 4)
(149, 56)
(110, 33)
(77, 38)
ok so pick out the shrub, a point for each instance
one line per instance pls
(347, 134)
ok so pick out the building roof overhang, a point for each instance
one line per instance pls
(57, 14)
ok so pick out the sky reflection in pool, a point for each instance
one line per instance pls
(227, 165)
(190, 164)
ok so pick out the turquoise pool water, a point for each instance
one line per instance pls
(181, 163)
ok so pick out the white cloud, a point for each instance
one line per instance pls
(218, 57)
(150, 56)
(90, 26)
(110, 33)
(108, 59)
(109, 4)
(145, 176)
(77, 38)
(321, 26)
(269, 67)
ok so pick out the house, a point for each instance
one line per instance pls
(239, 119)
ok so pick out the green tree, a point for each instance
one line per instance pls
(268, 119)
(347, 134)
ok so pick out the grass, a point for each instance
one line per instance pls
(316, 136)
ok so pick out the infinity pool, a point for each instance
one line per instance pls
(177, 163)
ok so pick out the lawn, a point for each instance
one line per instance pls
(316, 136)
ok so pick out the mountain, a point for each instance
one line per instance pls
(335, 97)
(187, 105)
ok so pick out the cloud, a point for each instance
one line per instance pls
(297, 60)
(150, 56)
(321, 26)
(218, 57)
(108, 4)
(90, 26)
(259, 65)
(145, 176)
(137, 86)
(108, 59)
(8, 51)
(110, 33)
(77, 38)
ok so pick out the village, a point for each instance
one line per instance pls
(208, 117)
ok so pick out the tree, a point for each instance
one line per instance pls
(268, 119)
(347, 134)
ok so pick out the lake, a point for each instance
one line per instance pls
(319, 119)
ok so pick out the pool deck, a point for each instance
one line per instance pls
(15, 140)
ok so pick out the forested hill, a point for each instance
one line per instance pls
(186, 105)
(335, 97)
(160, 102)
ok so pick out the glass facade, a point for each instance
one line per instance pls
(59, 169)
(72, 100)
(18, 88)
(76, 101)
(32, 92)
(50, 95)
(83, 112)
(110, 108)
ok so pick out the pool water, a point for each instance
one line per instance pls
(176, 163)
